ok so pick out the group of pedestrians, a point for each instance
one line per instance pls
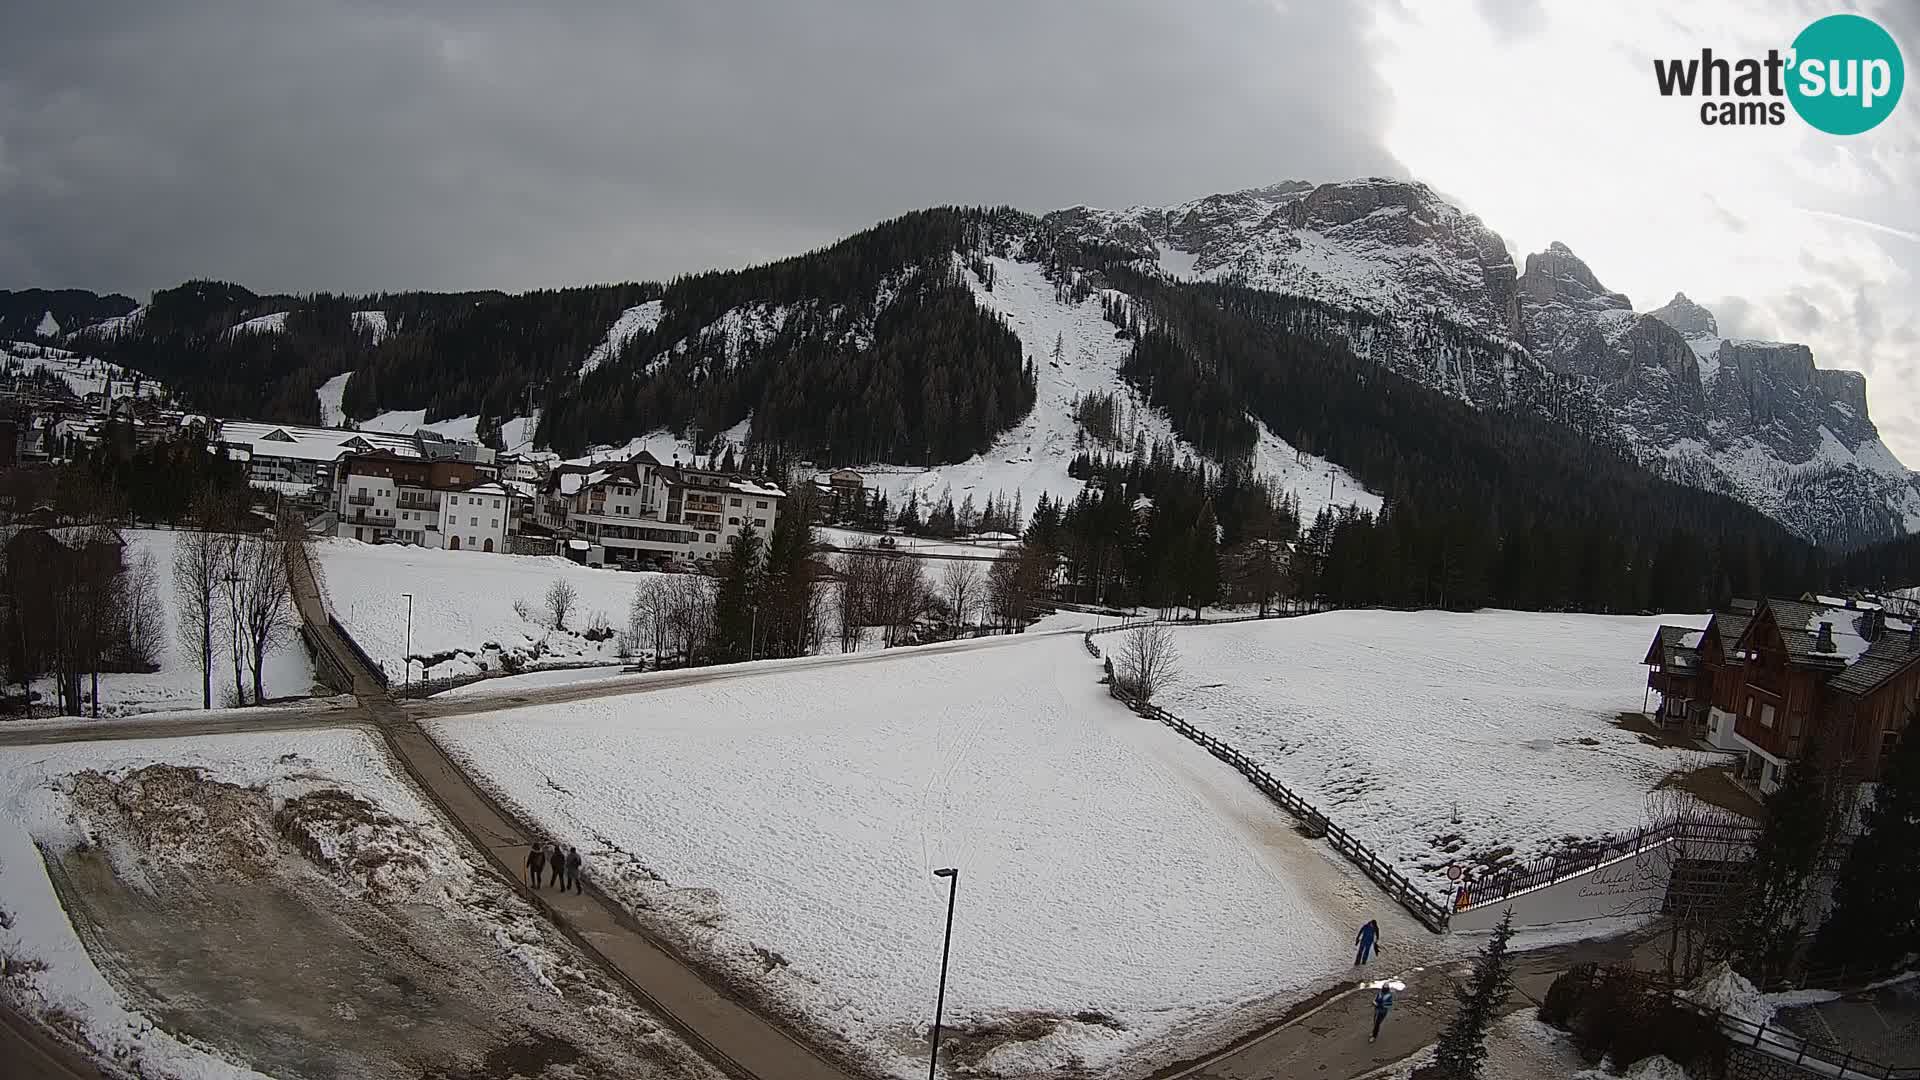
(562, 867)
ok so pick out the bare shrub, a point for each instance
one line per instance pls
(561, 600)
(1146, 662)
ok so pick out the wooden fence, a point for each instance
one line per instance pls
(1431, 913)
(1815, 1059)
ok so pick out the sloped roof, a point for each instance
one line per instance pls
(1891, 654)
(1674, 648)
(1728, 626)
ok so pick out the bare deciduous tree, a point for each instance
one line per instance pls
(199, 559)
(267, 618)
(959, 587)
(1146, 662)
(561, 598)
(142, 616)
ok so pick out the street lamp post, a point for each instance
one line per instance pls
(940, 1003)
(406, 677)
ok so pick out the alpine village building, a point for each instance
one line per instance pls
(640, 512)
(1772, 679)
(385, 497)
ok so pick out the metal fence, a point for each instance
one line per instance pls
(1591, 856)
(1817, 1059)
(379, 674)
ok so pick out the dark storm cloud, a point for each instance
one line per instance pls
(342, 145)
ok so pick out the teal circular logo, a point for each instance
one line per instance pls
(1846, 76)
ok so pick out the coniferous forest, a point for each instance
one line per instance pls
(875, 349)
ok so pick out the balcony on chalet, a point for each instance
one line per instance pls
(360, 500)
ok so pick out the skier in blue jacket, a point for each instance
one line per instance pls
(1368, 939)
(1382, 1005)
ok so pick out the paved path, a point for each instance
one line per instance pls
(1327, 1037)
(727, 1032)
(27, 1050)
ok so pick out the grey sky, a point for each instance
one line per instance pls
(350, 145)
(331, 144)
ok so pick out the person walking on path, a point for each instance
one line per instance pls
(573, 869)
(1382, 1005)
(1369, 941)
(536, 864)
(558, 861)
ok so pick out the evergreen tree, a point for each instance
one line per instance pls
(1463, 1047)
(734, 614)
(1762, 936)
(1200, 561)
(1876, 910)
(789, 600)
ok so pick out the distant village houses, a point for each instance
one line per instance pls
(640, 512)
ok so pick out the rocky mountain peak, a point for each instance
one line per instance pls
(1558, 276)
(1693, 321)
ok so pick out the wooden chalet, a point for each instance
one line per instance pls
(1771, 680)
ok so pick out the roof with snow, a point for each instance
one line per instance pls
(311, 443)
(1675, 648)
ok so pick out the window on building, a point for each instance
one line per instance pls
(733, 521)
(496, 504)
(1766, 716)
(362, 491)
(710, 538)
(760, 523)
(471, 541)
(496, 523)
(760, 505)
(473, 521)
(735, 502)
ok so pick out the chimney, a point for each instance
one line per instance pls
(1823, 641)
(1876, 624)
(1850, 603)
(1913, 637)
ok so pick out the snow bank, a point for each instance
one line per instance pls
(464, 621)
(784, 828)
(1438, 736)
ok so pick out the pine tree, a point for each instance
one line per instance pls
(734, 617)
(1876, 910)
(1463, 1047)
(1762, 936)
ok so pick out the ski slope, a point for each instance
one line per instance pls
(1033, 457)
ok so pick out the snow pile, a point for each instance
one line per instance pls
(288, 671)
(464, 621)
(1438, 737)
(263, 812)
(1656, 1068)
(1119, 889)
(1725, 990)
(636, 320)
(330, 393)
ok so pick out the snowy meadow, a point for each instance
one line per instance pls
(1437, 736)
(1117, 887)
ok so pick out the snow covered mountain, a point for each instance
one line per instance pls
(1754, 420)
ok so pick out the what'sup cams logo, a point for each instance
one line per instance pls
(1843, 75)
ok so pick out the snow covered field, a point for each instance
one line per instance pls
(181, 861)
(288, 671)
(1435, 736)
(463, 606)
(1117, 886)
